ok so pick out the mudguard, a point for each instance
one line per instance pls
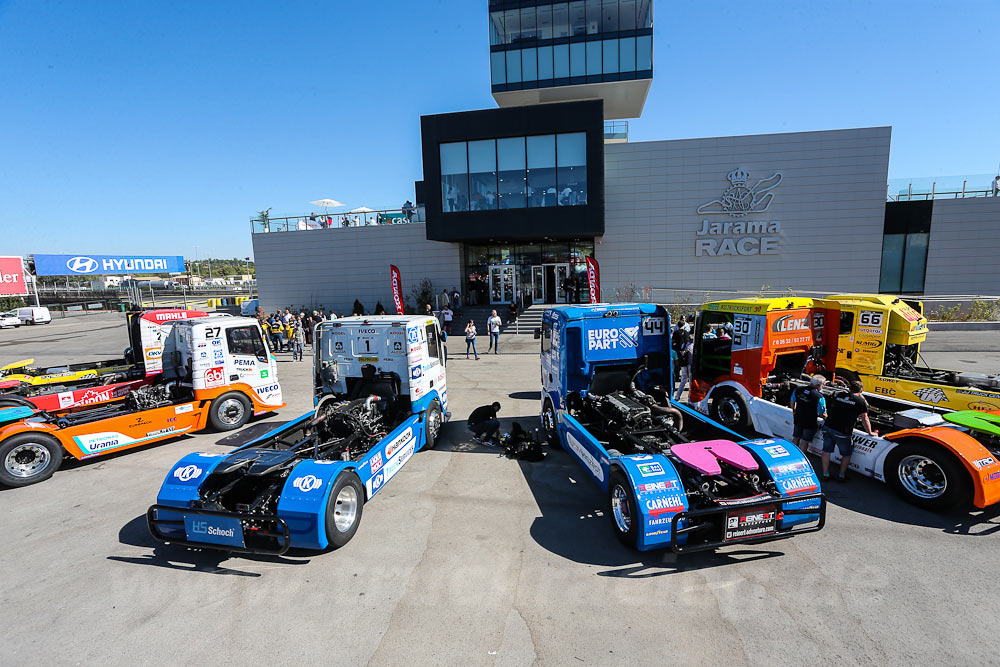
(424, 402)
(585, 448)
(304, 499)
(180, 487)
(792, 474)
(658, 495)
(15, 414)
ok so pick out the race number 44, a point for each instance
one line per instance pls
(653, 326)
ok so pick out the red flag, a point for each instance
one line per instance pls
(397, 288)
(594, 279)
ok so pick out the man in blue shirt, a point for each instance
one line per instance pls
(808, 405)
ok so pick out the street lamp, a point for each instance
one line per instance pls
(249, 283)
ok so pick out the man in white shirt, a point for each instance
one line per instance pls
(493, 327)
(447, 316)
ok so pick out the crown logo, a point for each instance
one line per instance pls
(738, 177)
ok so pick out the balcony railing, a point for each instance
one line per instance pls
(941, 187)
(615, 131)
(304, 223)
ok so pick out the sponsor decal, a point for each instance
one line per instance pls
(376, 482)
(181, 409)
(792, 468)
(612, 339)
(416, 372)
(218, 357)
(162, 431)
(214, 377)
(65, 399)
(238, 361)
(750, 523)
(797, 484)
(264, 374)
(933, 395)
(187, 473)
(12, 281)
(658, 487)
(983, 463)
(397, 443)
(376, 462)
(864, 443)
(307, 483)
(397, 346)
(58, 265)
(791, 323)
(672, 503)
(588, 459)
(154, 353)
(983, 406)
(650, 469)
(992, 477)
(268, 390)
(338, 346)
(368, 360)
(216, 342)
(404, 449)
(776, 451)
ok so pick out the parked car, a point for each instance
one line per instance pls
(9, 319)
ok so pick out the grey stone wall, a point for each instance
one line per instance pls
(962, 253)
(830, 205)
(333, 267)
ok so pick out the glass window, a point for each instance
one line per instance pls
(892, 263)
(609, 16)
(544, 63)
(577, 59)
(527, 23)
(454, 177)
(626, 15)
(644, 53)
(626, 61)
(560, 61)
(510, 160)
(542, 170)
(432, 343)
(545, 22)
(246, 341)
(546, 336)
(610, 56)
(593, 17)
(514, 66)
(529, 65)
(496, 28)
(483, 175)
(915, 262)
(571, 156)
(512, 26)
(577, 18)
(846, 322)
(497, 69)
(560, 20)
(593, 58)
(644, 14)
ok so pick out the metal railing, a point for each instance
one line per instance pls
(314, 221)
(942, 187)
(616, 131)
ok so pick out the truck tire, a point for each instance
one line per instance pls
(15, 401)
(927, 475)
(343, 511)
(622, 510)
(549, 424)
(28, 458)
(847, 376)
(432, 425)
(229, 411)
(729, 409)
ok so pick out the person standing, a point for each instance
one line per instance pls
(428, 310)
(445, 299)
(484, 424)
(512, 312)
(470, 339)
(845, 410)
(808, 406)
(493, 328)
(456, 301)
(298, 340)
(996, 186)
(446, 317)
(684, 360)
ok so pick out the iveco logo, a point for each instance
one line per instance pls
(82, 265)
(187, 472)
(307, 483)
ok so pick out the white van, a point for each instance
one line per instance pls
(249, 307)
(34, 315)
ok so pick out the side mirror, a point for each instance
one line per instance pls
(538, 334)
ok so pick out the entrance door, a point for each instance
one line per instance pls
(538, 284)
(548, 283)
(501, 284)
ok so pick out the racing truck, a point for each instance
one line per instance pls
(746, 383)
(380, 395)
(216, 370)
(879, 345)
(70, 387)
(673, 477)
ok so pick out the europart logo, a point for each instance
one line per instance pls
(307, 483)
(82, 264)
(188, 472)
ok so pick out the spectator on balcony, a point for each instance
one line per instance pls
(996, 186)
(407, 210)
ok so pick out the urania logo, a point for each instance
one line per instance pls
(307, 483)
(82, 264)
(187, 472)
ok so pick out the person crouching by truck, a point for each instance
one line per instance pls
(808, 407)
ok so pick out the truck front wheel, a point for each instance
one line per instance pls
(229, 411)
(549, 424)
(622, 510)
(729, 409)
(433, 422)
(28, 458)
(343, 512)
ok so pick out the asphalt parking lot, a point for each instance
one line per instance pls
(468, 558)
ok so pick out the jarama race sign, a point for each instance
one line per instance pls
(12, 282)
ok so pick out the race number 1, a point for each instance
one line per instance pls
(653, 326)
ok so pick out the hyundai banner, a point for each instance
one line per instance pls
(397, 288)
(103, 265)
(594, 280)
(12, 281)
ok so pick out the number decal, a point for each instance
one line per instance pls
(212, 332)
(653, 326)
(870, 318)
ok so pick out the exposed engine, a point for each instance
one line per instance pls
(250, 481)
(151, 396)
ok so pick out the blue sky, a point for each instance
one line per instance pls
(151, 127)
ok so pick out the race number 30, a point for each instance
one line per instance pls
(653, 326)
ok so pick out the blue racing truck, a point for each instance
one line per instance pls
(673, 477)
(380, 394)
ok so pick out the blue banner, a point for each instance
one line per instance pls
(101, 265)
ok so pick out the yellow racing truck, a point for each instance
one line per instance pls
(879, 344)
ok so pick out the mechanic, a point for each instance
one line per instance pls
(484, 424)
(845, 409)
(808, 404)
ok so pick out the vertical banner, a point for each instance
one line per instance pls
(594, 279)
(12, 282)
(397, 288)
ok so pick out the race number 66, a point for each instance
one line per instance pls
(653, 326)
(870, 318)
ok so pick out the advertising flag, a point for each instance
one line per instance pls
(594, 279)
(12, 282)
(397, 288)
